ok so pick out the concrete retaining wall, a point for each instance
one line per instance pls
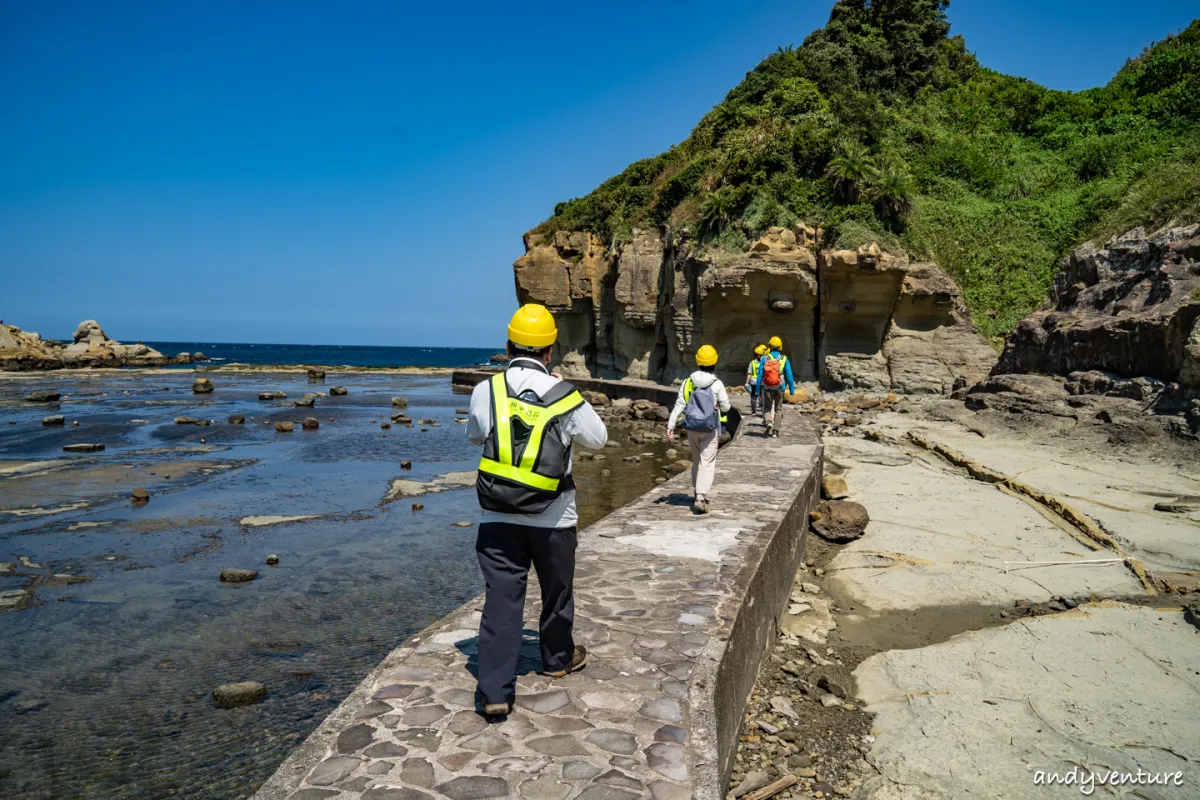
(676, 610)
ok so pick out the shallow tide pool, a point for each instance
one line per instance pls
(108, 662)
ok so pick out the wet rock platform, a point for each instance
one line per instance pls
(676, 610)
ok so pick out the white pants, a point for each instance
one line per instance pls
(703, 445)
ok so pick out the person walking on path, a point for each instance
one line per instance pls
(527, 418)
(703, 403)
(774, 373)
(752, 379)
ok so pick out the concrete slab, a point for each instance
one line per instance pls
(676, 610)
(938, 537)
(1103, 687)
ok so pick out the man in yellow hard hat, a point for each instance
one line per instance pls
(527, 418)
(752, 379)
(703, 403)
(774, 373)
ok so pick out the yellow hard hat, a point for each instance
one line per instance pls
(532, 326)
(758, 351)
(706, 356)
(775, 343)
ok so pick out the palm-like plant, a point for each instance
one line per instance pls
(892, 193)
(728, 117)
(852, 171)
(716, 210)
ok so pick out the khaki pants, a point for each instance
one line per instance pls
(773, 407)
(703, 445)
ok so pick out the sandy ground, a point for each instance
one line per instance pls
(937, 657)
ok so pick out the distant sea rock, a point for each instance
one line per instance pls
(91, 347)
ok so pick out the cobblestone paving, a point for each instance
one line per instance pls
(656, 588)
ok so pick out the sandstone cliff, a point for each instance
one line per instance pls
(90, 347)
(851, 319)
(1130, 308)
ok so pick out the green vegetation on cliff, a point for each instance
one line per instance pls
(882, 125)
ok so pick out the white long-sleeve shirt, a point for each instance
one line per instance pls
(582, 425)
(700, 380)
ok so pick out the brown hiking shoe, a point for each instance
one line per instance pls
(578, 660)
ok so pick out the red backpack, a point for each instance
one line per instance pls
(773, 372)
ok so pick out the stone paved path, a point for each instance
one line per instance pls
(657, 593)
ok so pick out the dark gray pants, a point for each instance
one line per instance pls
(505, 552)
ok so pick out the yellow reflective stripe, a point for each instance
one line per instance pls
(534, 446)
(503, 427)
(518, 475)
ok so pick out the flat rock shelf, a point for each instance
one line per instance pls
(676, 611)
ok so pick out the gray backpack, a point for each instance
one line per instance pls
(700, 413)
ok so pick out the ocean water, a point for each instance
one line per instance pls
(331, 355)
(107, 669)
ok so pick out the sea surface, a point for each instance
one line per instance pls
(329, 355)
(123, 628)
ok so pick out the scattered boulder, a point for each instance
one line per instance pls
(428, 422)
(596, 398)
(272, 395)
(186, 421)
(499, 358)
(310, 424)
(43, 396)
(202, 386)
(56, 421)
(316, 374)
(272, 560)
(840, 520)
(307, 401)
(400, 402)
(405, 465)
(139, 495)
(385, 425)
(238, 575)
(337, 391)
(83, 448)
(235, 695)
(183, 358)
(284, 427)
(237, 419)
(678, 467)
(833, 487)
(418, 506)
(400, 417)
(198, 356)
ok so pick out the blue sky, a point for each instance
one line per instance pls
(361, 173)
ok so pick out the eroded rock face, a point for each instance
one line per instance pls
(90, 347)
(855, 319)
(1130, 307)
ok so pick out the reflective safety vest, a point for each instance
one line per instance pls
(525, 464)
(754, 370)
(689, 387)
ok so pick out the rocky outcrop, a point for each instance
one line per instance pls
(90, 347)
(853, 319)
(1130, 307)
